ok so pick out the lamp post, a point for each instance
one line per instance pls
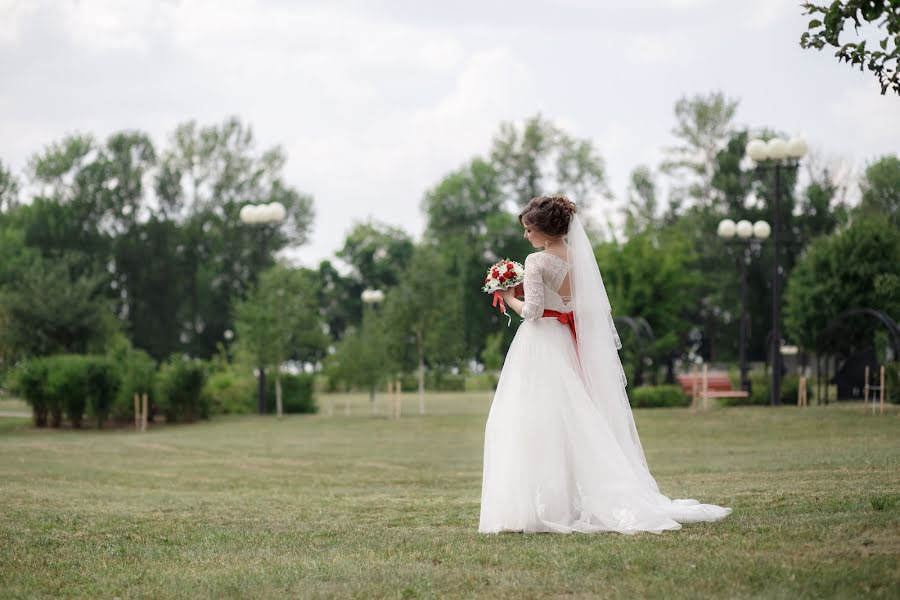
(776, 155)
(262, 215)
(750, 235)
(372, 298)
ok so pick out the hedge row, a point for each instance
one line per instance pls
(102, 388)
(658, 396)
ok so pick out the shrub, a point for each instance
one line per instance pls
(296, 394)
(180, 389)
(892, 382)
(657, 396)
(29, 381)
(435, 381)
(137, 371)
(231, 392)
(102, 380)
(67, 386)
(482, 382)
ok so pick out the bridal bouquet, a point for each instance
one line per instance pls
(501, 276)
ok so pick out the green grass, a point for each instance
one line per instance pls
(336, 506)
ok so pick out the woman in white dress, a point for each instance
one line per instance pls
(561, 452)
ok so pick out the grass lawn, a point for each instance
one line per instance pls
(360, 506)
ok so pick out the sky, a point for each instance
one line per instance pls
(375, 100)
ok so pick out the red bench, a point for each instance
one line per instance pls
(700, 385)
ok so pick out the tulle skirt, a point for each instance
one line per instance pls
(551, 463)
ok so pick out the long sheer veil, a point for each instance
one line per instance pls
(598, 345)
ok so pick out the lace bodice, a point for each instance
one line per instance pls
(544, 274)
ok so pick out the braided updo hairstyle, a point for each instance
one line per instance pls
(550, 214)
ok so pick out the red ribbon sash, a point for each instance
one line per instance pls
(566, 318)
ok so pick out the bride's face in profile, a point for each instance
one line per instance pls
(534, 235)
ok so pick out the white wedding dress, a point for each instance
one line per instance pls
(561, 453)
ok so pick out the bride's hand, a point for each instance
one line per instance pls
(507, 294)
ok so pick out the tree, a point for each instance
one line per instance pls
(423, 314)
(851, 269)
(828, 30)
(279, 321)
(362, 358)
(538, 158)
(205, 177)
(9, 189)
(651, 276)
(880, 187)
(704, 126)
(641, 209)
(51, 310)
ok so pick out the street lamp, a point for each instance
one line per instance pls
(372, 298)
(750, 235)
(262, 215)
(776, 155)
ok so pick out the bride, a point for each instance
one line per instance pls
(561, 452)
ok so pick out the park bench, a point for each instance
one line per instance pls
(701, 385)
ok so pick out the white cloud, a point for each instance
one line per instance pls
(12, 14)
(114, 25)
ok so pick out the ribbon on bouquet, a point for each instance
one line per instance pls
(499, 298)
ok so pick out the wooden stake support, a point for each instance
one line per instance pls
(694, 383)
(144, 412)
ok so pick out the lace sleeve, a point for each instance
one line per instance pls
(534, 289)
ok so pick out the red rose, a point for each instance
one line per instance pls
(495, 274)
(509, 265)
(511, 274)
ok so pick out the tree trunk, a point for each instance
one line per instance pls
(278, 392)
(421, 349)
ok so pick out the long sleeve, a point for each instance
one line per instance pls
(534, 289)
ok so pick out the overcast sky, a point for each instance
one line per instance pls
(375, 100)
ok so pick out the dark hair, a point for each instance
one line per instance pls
(550, 214)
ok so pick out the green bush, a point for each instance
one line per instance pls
(759, 395)
(138, 373)
(67, 385)
(435, 381)
(180, 389)
(296, 394)
(232, 392)
(482, 382)
(103, 380)
(892, 382)
(29, 382)
(658, 396)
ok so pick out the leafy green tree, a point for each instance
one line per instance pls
(704, 124)
(538, 157)
(205, 177)
(362, 358)
(880, 187)
(651, 276)
(376, 254)
(278, 321)
(642, 204)
(424, 318)
(9, 189)
(50, 311)
(856, 268)
(828, 26)
(468, 224)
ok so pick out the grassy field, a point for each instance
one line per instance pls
(361, 506)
